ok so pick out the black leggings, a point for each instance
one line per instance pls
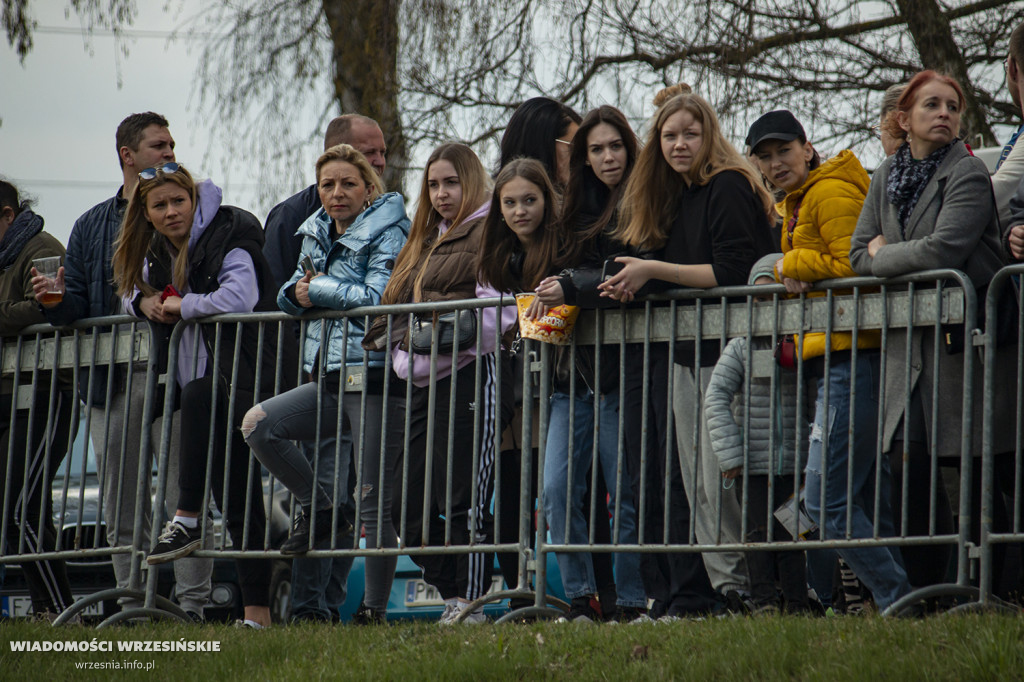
(198, 412)
(453, 575)
(677, 582)
(764, 566)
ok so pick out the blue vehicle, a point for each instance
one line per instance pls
(412, 598)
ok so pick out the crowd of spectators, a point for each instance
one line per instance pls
(693, 448)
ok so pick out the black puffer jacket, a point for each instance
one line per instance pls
(231, 228)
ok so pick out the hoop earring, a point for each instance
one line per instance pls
(367, 204)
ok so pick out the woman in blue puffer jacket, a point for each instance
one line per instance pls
(349, 248)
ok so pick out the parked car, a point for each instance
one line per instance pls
(76, 512)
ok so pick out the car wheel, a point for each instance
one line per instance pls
(281, 592)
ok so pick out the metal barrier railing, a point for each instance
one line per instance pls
(1002, 354)
(44, 371)
(927, 304)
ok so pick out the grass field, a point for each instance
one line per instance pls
(968, 647)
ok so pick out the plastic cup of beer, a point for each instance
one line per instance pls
(47, 267)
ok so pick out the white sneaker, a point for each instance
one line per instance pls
(450, 611)
(642, 619)
(476, 617)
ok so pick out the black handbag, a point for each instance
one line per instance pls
(461, 334)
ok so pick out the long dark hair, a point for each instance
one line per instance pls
(584, 184)
(533, 129)
(500, 244)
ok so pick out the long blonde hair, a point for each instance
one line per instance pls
(653, 187)
(137, 234)
(423, 231)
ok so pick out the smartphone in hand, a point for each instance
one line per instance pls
(307, 265)
(611, 268)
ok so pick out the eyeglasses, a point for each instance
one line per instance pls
(150, 173)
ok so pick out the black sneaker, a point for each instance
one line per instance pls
(738, 604)
(582, 610)
(364, 615)
(195, 618)
(628, 614)
(176, 541)
(298, 542)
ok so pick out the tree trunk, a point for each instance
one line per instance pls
(934, 39)
(365, 38)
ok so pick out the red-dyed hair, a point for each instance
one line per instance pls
(909, 98)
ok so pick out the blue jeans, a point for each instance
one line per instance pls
(320, 586)
(576, 568)
(880, 568)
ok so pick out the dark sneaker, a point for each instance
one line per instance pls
(298, 542)
(582, 610)
(195, 618)
(364, 615)
(738, 604)
(628, 614)
(176, 541)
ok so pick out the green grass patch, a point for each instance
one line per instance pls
(969, 647)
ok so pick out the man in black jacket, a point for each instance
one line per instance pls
(143, 141)
(282, 246)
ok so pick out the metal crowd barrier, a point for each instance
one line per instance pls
(46, 371)
(1002, 332)
(929, 303)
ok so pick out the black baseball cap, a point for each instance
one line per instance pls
(775, 125)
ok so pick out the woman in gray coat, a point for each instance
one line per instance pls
(930, 206)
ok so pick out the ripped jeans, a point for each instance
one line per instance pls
(828, 457)
(270, 429)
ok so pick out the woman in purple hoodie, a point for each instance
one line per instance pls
(182, 255)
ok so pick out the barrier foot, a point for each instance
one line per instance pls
(164, 604)
(530, 612)
(143, 612)
(905, 606)
(558, 606)
(994, 606)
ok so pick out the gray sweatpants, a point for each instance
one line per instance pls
(703, 482)
(117, 450)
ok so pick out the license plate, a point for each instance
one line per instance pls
(419, 593)
(20, 606)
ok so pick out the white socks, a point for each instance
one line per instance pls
(187, 521)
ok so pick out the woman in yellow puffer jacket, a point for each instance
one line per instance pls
(823, 202)
(819, 214)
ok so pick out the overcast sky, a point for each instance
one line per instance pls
(61, 109)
